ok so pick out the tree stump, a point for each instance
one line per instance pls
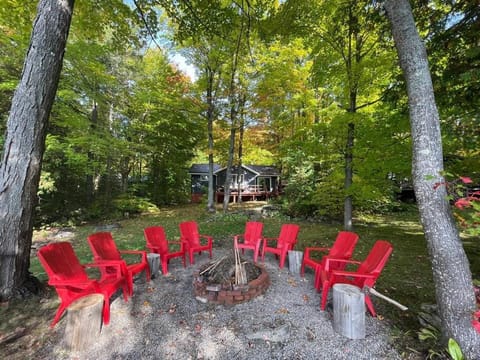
(154, 263)
(84, 322)
(295, 261)
(349, 311)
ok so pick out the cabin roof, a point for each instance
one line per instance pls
(262, 170)
(202, 168)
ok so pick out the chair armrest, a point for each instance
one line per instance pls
(120, 265)
(72, 283)
(208, 238)
(132, 252)
(139, 252)
(344, 261)
(319, 249)
(269, 239)
(181, 243)
(351, 274)
(236, 238)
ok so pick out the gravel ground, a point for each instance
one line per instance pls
(163, 320)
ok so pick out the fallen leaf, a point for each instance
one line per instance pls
(306, 298)
(282, 311)
(292, 282)
(380, 317)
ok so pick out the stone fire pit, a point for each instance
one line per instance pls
(217, 285)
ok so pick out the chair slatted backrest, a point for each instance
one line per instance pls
(375, 261)
(156, 238)
(61, 263)
(288, 236)
(253, 232)
(103, 246)
(344, 245)
(189, 232)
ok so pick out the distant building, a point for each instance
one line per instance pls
(255, 182)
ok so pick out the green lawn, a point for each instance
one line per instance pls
(407, 277)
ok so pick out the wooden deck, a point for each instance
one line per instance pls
(252, 193)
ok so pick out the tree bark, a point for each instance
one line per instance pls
(25, 141)
(348, 203)
(228, 175)
(353, 56)
(210, 118)
(451, 273)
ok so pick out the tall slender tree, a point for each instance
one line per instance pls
(451, 271)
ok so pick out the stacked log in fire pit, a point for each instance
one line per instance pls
(230, 280)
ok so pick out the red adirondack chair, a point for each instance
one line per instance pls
(157, 243)
(285, 242)
(105, 250)
(193, 241)
(251, 239)
(71, 281)
(366, 274)
(342, 249)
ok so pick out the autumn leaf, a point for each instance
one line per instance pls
(292, 282)
(466, 179)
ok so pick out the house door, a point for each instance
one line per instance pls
(264, 184)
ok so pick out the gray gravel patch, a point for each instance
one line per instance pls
(163, 320)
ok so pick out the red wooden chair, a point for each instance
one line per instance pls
(71, 281)
(105, 251)
(285, 242)
(342, 248)
(251, 239)
(157, 243)
(193, 241)
(366, 274)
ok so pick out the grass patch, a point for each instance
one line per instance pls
(407, 277)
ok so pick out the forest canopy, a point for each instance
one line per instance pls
(317, 98)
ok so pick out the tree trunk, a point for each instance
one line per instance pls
(90, 178)
(210, 118)
(240, 147)
(451, 272)
(348, 206)
(228, 176)
(25, 141)
(352, 56)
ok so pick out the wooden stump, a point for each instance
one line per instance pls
(154, 263)
(349, 311)
(84, 322)
(295, 261)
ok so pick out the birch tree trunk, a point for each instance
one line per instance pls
(25, 141)
(451, 272)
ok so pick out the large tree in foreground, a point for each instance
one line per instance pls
(25, 141)
(451, 272)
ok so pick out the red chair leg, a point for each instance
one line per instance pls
(325, 289)
(369, 304)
